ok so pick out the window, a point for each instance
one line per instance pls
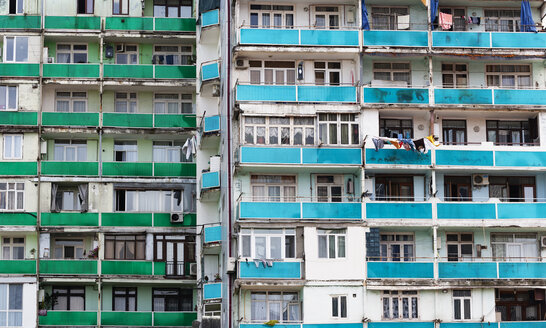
(72, 53)
(330, 188)
(454, 75)
(125, 247)
(327, 73)
(168, 152)
(461, 304)
(502, 20)
(69, 197)
(16, 7)
(509, 133)
(212, 310)
(518, 304)
(267, 16)
(162, 201)
(68, 249)
(129, 55)
(8, 97)
(454, 132)
(268, 243)
(13, 248)
(339, 306)
(394, 72)
(512, 189)
(120, 7)
(12, 196)
(459, 14)
(281, 306)
(11, 311)
(124, 299)
(515, 247)
(71, 150)
(457, 189)
(126, 102)
(173, 103)
(326, 17)
(125, 151)
(391, 128)
(175, 251)
(272, 72)
(173, 8)
(399, 188)
(331, 243)
(386, 18)
(172, 55)
(172, 299)
(400, 305)
(86, 6)
(397, 247)
(279, 130)
(335, 129)
(67, 101)
(508, 76)
(13, 146)
(273, 188)
(459, 246)
(69, 298)
(16, 49)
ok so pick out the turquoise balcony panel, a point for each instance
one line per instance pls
(336, 38)
(88, 267)
(269, 36)
(270, 155)
(467, 270)
(210, 18)
(210, 71)
(17, 266)
(461, 39)
(402, 325)
(212, 124)
(213, 234)
(407, 270)
(127, 169)
(72, 22)
(70, 168)
(128, 120)
(396, 38)
(19, 69)
(70, 219)
(331, 325)
(125, 23)
(523, 158)
(280, 93)
(323, 93)
(397, 157)
(395, 96)
(521, 210)
(523, 324)
(518, 40)
(269, 210)
(342, 211)
(108, 318)
(349, 156)
(520, 97)
(210, 180)
(278, 325)
(521, 270)
(69, 318)
(129, 71)
(279, 270)
(212, 291)
(464, 157)
(456, 210)
(468, 325)
(18, 168)
(463, 96)
(174, 319)
(70, 119)
(313, 156)
(390, 210)
(20, 22)
(18, 118)
(71, 70)
(169, 24)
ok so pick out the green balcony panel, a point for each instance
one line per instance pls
(174, 121)
(70, 119)
(17, 266)
(68, 267)
(69, 318)
(72, 22)
(174, 170)
(128, 120)
(72, 70)
(70, 168)
(126, 219)
(175, 72)
(159, 268)
(126, 318)
(18, 168)
(140, 268)
(175, 24)
(70, 219)
(129, 23)
(20, 219)
(20, 22)
(164, 220)
(178, 319)
(129, 71)
(127, 169)
(18, 118)
(19, 70)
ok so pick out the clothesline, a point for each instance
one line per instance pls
(422, 145)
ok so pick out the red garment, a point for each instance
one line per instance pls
(446, 20)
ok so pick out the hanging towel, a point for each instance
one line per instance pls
(428, 145)
(403, 22)
(395, 143)
(419, 145)
(446, 20)
(475, 20)
(378, 143)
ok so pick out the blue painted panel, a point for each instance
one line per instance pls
(329, 38)
(210, 18)
(519, 97)
(270, 155)
(461, 39)
(211, 291)
(407, 210)
(464, 157)
(269, 36)
(521, 210)
(509, 270)
(278, 325)
(468, 325)
(396, 156)
(523, 324)
(400, 324)
(400, 270)
(265, 210)
(332, 156)
(351, 211)
(395, 96)
(213, 234)
(396, 38)
(462, 270)
(266, 93)
(463, 96)
(523, 158)
(332, 325)
(318, 93)
(279, 270)
(212, 123)
(518, 40)
(210, 71)
(466, 211)
(210, 180)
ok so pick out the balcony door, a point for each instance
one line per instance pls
(174, 258)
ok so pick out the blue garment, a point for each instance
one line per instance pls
(526, 18)
(433, 12)
(365, 23)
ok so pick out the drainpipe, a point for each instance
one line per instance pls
(228, 127)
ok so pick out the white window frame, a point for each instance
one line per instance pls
(247, 246)
(516, 75)
(13, 138)
(123, 7)
(339, 303)
(11, 244)
(327, 70)
(7, 311)
(338, 182)
(13, 55)
(130, 99)
(453, 72)
(283, 187)
(272, 12)
(75, 96)
(396, 298)
(338, 236)
(122, 148)
(61, 244)
(129, 55)
(182, 56)
(168, 99)
(174, 146)
(161, 196)
(325, 121)
(71, 52)
(462, 300)
(11, 192)
(71, 143)
(20, 7)
(521, 245)
(279, 305)
(401, 243)
(288, 73)
(298, 128)
(5, 89)
(317, 10)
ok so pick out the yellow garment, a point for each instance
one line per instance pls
(271, 323)
(431, 139)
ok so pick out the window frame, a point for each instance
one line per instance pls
(85, 10)
(74, 97)
(129, 101)
(267, 302)
(72, 52)
(295, 130)
(491, 22)
(271, 78)
(182, 293)
(339, 304)
(339, 236)
(392, 295)
(401, 243)
(113, 240)
(446, 131)
(159, 57)
(454, 73)
(456, 18)
(69, 294)
(126, 295)
(128, 53)
(267, 185)
(122, 10)
(327, 72)
(271, 12)
(14, 52)
(166, 8)
(325, 123)
(11, 245)
(5, 193)
(161, 195)
(21, 148)
(392, 71)
(393, 188)
(459, 243)
(19, 7)
(504, 257)
(449, 183)
(124, 152)
(499, 73)
(8, 310)
(9, 99)
(338, 181)
(70, 143)
(248, 238)
(58, 243)
(181, 100)
(403, 129)
(462, 300)
(392, 17)
(328, 15)
(173, 146)
(496, 130)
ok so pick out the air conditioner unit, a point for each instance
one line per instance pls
(241, 63)
(543, 241)
(193, 269)
(51, 60)
(120, 47)
(177, 217)
(480, 179)
(216, 90)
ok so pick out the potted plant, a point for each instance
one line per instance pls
(217, 277)
(33, 253)
(47, 304)
(94, 253)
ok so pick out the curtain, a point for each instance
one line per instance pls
(82, 195)
(433, 12)
(55, 204)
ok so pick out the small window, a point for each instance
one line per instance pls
(462, 301)
(129, 56)
(75, 101)
(72, 53)
(12, 195)
(70, 298)
(400, 305)
(391, 128)
(125, 247)
(338, 129)
(169, 152)
(126, 102)
(86, 6)
(509, 133)
(285, 307)
(173, 55)
(13, 146)
(267, 16)
(125, 151)
(327, 73)
(454, 75)
(11, 298)
(16, 7)
(454, 132)
(268, 244)
(272, 72)
(273, 188)
(13, 248)
(508, 76)
(279, 130)
(339, 306)
(326, 17)
(459, 246)
(8, 97)
(502, 20)
(394, 188)
(394, 72)
(120, 7)
(173, 103)
(331, 243)
(172, 299)
(397, 247)
(71, 150)
(457, 188)
(330, 188)
(387, 18)
(68, 248)
(16, 49)
(124, 299)
(173, 8)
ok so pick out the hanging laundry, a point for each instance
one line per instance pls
(189, 148)
(378, 143)
(395, 143)
(446, 20)
(475, 20)
(428, 145)
(432, 140)
(404, 22)
(419, 145)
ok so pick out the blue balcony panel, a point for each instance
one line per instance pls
(455, 210)
(401, 324)
(523, 324)
(332, 325)
(270, 155)
(347, 211)
(269, 210)
(279, 270)
(468, 270)
(523, 158)
(518, 40)
(461, 39)
(210, 18)
(349, 156)
(395, 96)
(468, 325)
(213, 234)
(521, 210)
(396, 38)
(210, 71)
(408, 270)
(519, 97)
(210, 180)
(390, 210)
(325, 93)
(521, 270)
(281, 93)
(212, 291)
(269, 36)
(396, 156)
(261, 325)
(463, 96)
(464, 157)
(212, 123)
(329, 38)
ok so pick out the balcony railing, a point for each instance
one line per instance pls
(138, 268)
(210, 70)
(212, 234)
(300, 210)
(471, 39)
(268, 269)
(72, 23)
(19, 70)
(150, 319)
(70, 119)
(149, 71)
(134, 120)
(69, 318)
(17, 266)
(149, 24)
(305, 155)
(210, 18)
(210, 180)
(68, 267)
(18, 117)
(395, 38)
(297, 93)
(72, 70)
(18, 218)
(212, 291)
(299, 37)
(20, 22)
(70, 168)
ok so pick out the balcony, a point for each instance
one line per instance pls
(84, 71)
(210, 18)
(307, 156)
(68, 267)
(128, 219)
(412, 324)
(70, 119)
(488, 40)
(72, 22)
(25, 22)
(19, 70)
(148, 120)
(300, 211)
(212, 291)
(150, 319)
(69, 318)
(70, 219)
(70, 168)
(210, 71)
(400, 270)
(17, 266)
(279, 270)
(396, 157)
(395, 95)
(138, 268)
(467, 270)
(18, 168)
(401, 210)
(395, 38)
(18, 219)
(532, 97)
(211, 124)
(210, 180)
(149, 71)
(299, 37)
(18, 118)
(299, 93)
(213, 234)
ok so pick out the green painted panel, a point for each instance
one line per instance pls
(159, 268)
(174, 169)
(17, 69)
(175, 24)
(126, 318)
(72, 22)
(127, 267)
(126, 219)
(174, 121)
(20, 21)
(70, 219)
(129, 23)
(162, 319)
(69, 318)
(74, 119)
(18, 266)
(164, 220)
(127, 120)
(129, 71)
(72, 70)
(68, 267)
(70, 168)
(174, 72)
(18, 168)
(127, 169)
(23, 219)
(18, 118)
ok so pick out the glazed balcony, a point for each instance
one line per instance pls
(299, 37)
(296, 93)
(304, 156)
(278, 270)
